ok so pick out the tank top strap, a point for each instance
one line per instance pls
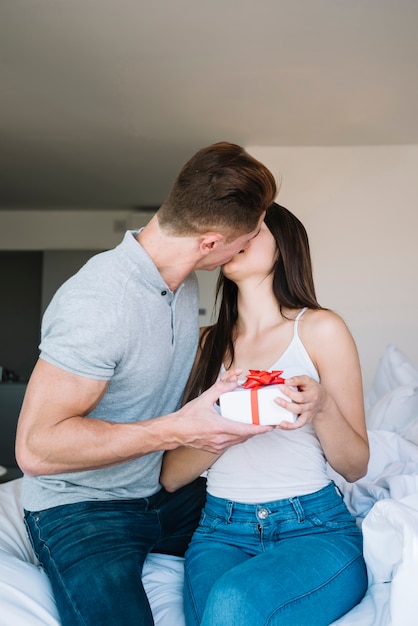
(297, 318)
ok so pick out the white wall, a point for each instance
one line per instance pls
(207, 287)
(66, 229)
(360, 208)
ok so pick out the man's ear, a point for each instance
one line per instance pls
(209, 242)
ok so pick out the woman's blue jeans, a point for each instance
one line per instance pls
(291, 562)
(93, 552)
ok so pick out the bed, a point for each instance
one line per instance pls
(385, 503)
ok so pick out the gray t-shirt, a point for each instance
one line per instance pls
(117, 320)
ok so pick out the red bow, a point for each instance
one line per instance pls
(262, 378)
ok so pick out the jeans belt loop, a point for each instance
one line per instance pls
(298, 508)
(229, 509)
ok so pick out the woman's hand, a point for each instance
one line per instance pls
(308, 398)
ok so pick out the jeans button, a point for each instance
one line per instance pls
(262, 513)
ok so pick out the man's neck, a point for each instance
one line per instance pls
(174, 257)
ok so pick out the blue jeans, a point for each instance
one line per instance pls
(93, 552)
(291, 562)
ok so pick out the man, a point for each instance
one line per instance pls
(118, 342)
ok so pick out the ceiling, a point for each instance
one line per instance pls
(102, 101)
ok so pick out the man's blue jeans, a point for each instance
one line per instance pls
(292, 562)
(93, 552)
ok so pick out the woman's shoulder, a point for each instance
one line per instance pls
(323, 324)
(327, 338)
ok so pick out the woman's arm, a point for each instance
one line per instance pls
(182, 465)
(335, 405)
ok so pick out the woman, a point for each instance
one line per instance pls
(276, 543)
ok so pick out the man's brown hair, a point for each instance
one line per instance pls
(221, 188)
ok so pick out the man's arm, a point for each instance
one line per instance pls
(54, 435)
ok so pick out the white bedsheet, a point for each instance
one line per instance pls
(385, 503)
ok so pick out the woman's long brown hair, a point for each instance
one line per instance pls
(293, 287)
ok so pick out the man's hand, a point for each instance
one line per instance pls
(203, 428)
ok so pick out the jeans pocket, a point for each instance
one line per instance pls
(30, 520)
(336, 518)
(207, 524)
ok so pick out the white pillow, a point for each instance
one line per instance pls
(13, 536)
(394, 370)
(411, 433)
(25, 591)
(25, 594)
(396, 411)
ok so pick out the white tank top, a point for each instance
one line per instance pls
(278, 464)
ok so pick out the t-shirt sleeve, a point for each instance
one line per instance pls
(83, 333)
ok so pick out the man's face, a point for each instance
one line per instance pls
(224, 251)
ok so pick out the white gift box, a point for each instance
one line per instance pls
(255, 406)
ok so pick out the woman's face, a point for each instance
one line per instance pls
(257, 260)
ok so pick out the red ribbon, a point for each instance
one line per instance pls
(262, 378)
(257, 379)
